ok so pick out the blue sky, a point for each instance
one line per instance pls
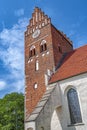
(69, 16)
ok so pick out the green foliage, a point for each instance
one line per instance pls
(12, 112)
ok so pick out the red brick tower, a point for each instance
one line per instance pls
(44, 47)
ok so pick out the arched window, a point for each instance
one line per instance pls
(74, 107)
(32, 51)
(37, 65)
(43, 46)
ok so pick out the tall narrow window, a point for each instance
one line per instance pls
(74, 107)
(37, 65)
(32, 51)
(43, 46)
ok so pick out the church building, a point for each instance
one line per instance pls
(55, 78)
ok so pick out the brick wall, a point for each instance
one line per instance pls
(60, 40)
(47, 59)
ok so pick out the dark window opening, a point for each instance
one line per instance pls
(60, 49)
(43, 47)
(32, 52)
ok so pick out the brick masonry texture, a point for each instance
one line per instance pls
(53, 38)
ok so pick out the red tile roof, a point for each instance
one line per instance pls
(74, 63)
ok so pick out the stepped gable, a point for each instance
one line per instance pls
(75, 63)
(38, 20)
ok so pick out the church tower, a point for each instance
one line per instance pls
(44, 47)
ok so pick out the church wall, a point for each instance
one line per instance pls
(30, 126)
(80, 84)
(40, 29)
(44, 118)
(55, 113)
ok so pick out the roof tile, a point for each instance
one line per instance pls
(74, 63)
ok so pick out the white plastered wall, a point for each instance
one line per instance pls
(80, 84)
(30, 125)
(56, 117)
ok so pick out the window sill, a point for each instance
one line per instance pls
(77, 124)
(43, 51)
(32, 56)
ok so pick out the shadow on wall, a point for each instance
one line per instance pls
(59, 121)
(30, 128)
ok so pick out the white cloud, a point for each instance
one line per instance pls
(12, 54)
(19, 12)
(2, 84)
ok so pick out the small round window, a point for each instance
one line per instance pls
(35, 86)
